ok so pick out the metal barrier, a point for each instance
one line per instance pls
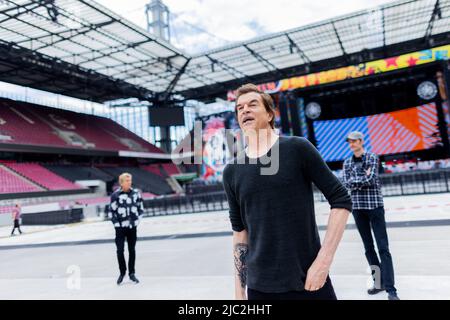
(52, 218)
(413, 183)
(202, 189)
(212, 201)
(409, 183)
(394, 184)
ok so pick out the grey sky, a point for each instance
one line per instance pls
(226, 21)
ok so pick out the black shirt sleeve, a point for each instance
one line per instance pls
(319, 173)
(235, 212)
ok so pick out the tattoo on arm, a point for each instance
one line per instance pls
(240, 256)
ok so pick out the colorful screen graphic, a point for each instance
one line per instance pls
(355, 71)
(216, 151)
(406, 130)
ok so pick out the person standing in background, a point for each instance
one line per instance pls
(361, 179)
(126, 210)
(16, 217)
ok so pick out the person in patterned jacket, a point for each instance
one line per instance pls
(126, 209)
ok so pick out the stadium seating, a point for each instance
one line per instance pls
(22, 127)
(42, 176)
(85, 126)
(29, 124)
(162, 169)
(155, 169)
(148, 178)
(143, 179)
(122, 133)
(12, 183)
(6, 209)
(74, 172)
(170, 168)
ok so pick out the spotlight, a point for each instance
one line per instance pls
(427, 90)
(313, 110)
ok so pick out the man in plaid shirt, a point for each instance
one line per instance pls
(361, 179)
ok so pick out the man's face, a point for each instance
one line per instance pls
(251, 113)
(126, 183)
(355, 145)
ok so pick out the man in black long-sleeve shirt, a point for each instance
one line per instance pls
(277, 248)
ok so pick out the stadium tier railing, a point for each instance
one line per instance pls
(393, 184)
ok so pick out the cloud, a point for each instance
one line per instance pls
(199, 24)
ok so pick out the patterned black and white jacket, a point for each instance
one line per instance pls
(126, 208)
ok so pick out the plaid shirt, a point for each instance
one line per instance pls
(365, 189)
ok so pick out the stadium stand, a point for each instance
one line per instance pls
(18, 125)
(170, 168)
(13, 183)
(126, 137)
(162, 169)
(74, 172)
(29, 124)
(41, 176)
(155, 169)
(143, 179)
(6, 209)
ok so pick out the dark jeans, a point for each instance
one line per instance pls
(373, 220)
(16, 225)
(130, 235)
(324, 293)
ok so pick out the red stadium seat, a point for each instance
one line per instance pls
(12, 183)
(42, 176)
(29, 124)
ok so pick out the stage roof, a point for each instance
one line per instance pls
(349, 39)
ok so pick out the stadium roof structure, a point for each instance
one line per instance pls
(391, 29)
(79, 48)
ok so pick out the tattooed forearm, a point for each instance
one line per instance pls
(240, 255)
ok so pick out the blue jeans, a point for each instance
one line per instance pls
(373, 220)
